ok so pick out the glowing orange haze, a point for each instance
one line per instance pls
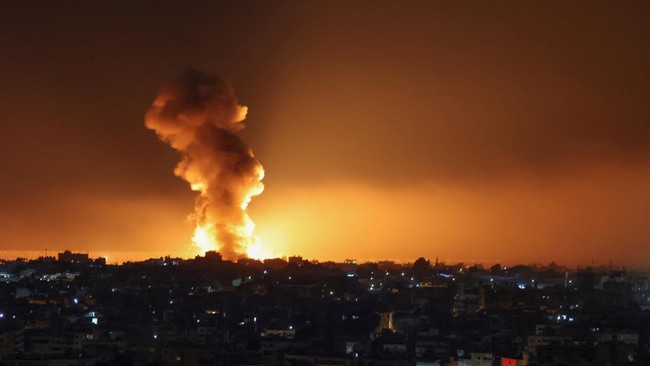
(464, 131)
(573, 218)
(595, 214)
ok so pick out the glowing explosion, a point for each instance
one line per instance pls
(198, 114)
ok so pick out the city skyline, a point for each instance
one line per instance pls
(511, 133)
(79, 310)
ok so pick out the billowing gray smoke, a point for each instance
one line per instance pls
(198, 114)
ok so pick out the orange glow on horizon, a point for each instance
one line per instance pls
(517, 220)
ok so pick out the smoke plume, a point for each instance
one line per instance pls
(198, 114)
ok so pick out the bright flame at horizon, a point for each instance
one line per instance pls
(202, 240)
(255, 250)
(204, 237)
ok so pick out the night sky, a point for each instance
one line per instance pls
(474, 131)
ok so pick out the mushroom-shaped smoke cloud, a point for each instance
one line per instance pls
(198, 114)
